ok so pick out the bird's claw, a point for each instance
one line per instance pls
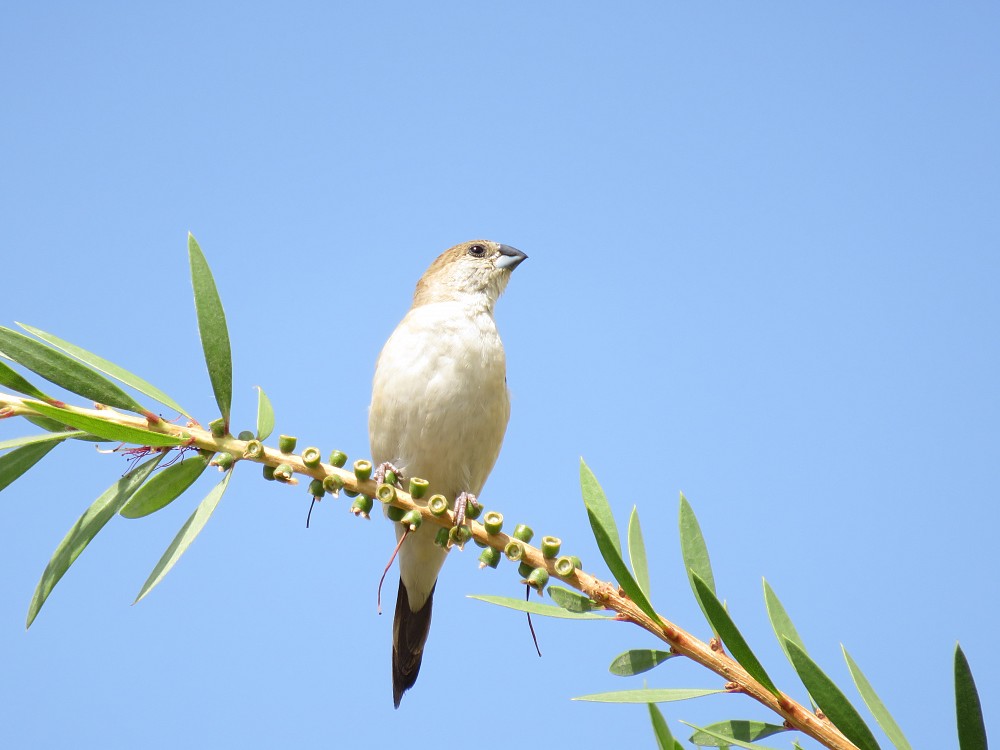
(464, 501)
(383, 469)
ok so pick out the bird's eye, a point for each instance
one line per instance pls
(477, 251)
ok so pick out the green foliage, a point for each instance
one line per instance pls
(968, 709)
(875, 705)
(637, 661)
(265, 415)
(165, 486)
(213, 329)
(19, 460)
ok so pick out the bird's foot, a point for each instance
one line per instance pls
(466, 505)
(385, 471)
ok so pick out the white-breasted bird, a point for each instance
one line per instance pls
(439, 411)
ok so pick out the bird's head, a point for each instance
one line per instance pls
(478, 268)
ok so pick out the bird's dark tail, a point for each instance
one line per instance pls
(409, 633)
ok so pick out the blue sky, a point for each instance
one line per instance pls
(763, 259)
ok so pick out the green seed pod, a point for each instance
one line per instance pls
(438, 504)
(524, 569)
(538, 579)
(472, 511)
(564, 566)
(459, 535)
(394, 514)
(524, 533)
(386, 493)
(363, 469)
(254, 450)
(576, 562)
(362, 506)
(391, 478)
(441, 538)
(351, 493)
(481, 545)
(283, 472)
(268, 473)
(489, 557)
(550, 547)
(223, 460)
(316, 488)
(418, 487)
(493, 522)
(218, 427)
(514, 550)
(412, 519)
(310, 457)
(338, 459)
(245, 435)
(333, 484)
(286, 443)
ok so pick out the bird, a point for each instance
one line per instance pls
(439, 411)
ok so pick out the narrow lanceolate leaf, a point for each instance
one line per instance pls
(11, 378)
(602, 523)
(638, 661)
(117, 433)
(571, 600)
(265, 415)
(664, 739)
(830, 699)
(875, 705)
(85, 529)
(637, 552)
(108, 368)
(535, 608)
(13, 465)
(723, 624)
(648, 695)
(64, 371)
(694, 550)
(213, 329)
(598, 507)
(780, 621)
(165, 487)
(48, 437)
(971, 727)
(54, 426)
(188, 533)
(736, 730)
(711, 737)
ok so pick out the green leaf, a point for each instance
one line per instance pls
(695, 551)
(714, 738)
(112, 431)
(165, 486)
(648, 695)
(875, 705)
(85, 529)
(971, 727)
(571, 600)
(12, 379)
(32, 439)
(598, 507)
(108, 368)
(53, 425)
(265, 415)
(64, 371)
(188, 533)
(780, 621)
(664, 739)
(14, 464)
(213, 329)
(740, 730)
(535, 608)
(637, 552)
(830, 699)
(723, 624)
(602, 523)
(638, 661)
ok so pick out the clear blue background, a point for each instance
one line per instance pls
(763, 270)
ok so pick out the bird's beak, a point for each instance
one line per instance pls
(510, 257)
